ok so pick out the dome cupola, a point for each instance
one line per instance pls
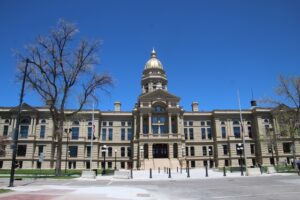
(154, 76)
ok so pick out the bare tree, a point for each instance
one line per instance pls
(287, 114)
(57, 70)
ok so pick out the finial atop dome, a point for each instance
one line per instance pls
(153, 53)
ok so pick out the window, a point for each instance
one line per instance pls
(21, 150)
(75, 133)
(202, 123)
(186, 133)
(42, 131)
(286, 147)
(222, 123)
(90, 130)
(223, 130)
(103, 134)
(104, 123)
(203, 133)
(154, 129)
(122, 165)
(123, 133)
(128, 151)
(24, 131)
(73, 151)
(204, 151)
(40, 149)
(208, 123)
(123, 124)
(210, 150)
(250, 132)
(109, 165)
(110, 123)
(187, 151)
(190, 123)
(129, 134)
(110, 134)
(193, 164)
(226, 163)
(191, 133)
(209, 133)
(185, 123)
(237, 132)
(175, 150)
(192, 151)
(225, 149)
(109, 154)
(43, 121)
(252, 148)
(128, 123)
(88, 151)
(122, 151)
(5, 130)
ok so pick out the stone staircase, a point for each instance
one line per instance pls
(156, 163)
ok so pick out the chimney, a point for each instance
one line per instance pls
(195, 107)
(253, 103)
(117, 106)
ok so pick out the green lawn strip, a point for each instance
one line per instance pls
(5, 191)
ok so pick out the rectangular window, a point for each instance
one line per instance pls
(154, 129)
(145, 129)
(203, 133)
(42, 131)
(210, 150)
(88, 151)
(73, 151)
(187, 151)
(250, 132)
(122, 151)
(109, 165)
(110, 123)
(202, 123)
(5, 130)
(110, 134)
(122, 123)
(237, 132)
(191, 133)
(225, 149)
(209, 133)
(186, 133)
(75, 133)
(103, 134)
(192, 151)
(129, 134)
(40, 150)
(90, 130)
(163, 129)
(21, 150)
(128, 151)
(204, 151)
(223, 130)
(286, 147)
(123, 133)
(252, 148)
(24, 131)
(190, 123)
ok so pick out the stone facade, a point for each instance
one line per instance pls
(156, 133)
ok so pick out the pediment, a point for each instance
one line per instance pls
(25, 107)
(158, 94)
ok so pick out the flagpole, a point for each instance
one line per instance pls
(92, 135)
(242, 129)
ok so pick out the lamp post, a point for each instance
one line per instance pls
(67, 131)
(104, 152)
(116, 150)
(240, 151)
(16, 133)
(141, 155)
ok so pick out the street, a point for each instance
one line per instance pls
(263, 187)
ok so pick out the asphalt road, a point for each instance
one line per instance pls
(244, 188)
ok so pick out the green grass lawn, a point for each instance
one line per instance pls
(4, 191)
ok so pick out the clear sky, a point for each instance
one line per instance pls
(209, 48)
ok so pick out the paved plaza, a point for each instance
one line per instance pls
(160, 187)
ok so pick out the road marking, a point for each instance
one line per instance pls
(254, 195)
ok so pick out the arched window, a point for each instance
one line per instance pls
(175, 150)
(6, 121)
(90, 123)
(43, 121)
(236, 122)
(222, 123)
(25, 121)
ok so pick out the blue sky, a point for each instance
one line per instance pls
(209, 49)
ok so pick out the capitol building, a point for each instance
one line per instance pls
(157, 132)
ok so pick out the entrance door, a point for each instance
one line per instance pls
(160, 151)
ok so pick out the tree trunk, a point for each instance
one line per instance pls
(59, 148)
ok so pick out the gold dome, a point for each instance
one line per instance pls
(153, 62)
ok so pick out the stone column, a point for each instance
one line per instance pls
(150, 149)
(134, 127)
(150, 124)
(170, 124)
(141, 125)
(178, 124)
